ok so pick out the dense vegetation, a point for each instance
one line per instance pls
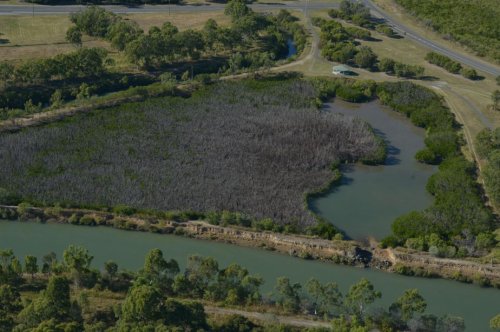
(70, 295)
(29, 86)
(457, 224)
(252, 41)
(259, 38)
(357, 13)
(450, 65)
(475, 24)
(488, 148)
(254, 147)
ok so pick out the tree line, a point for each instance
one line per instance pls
(357, 13)
(458, 223)
(29, 86)
(450, 65)
(166, 44)
(252, 41)
(161, 296)
(488, 148)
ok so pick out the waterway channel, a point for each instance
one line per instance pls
(477, 305)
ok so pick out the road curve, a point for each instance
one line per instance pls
(409, 33)
(299, 5)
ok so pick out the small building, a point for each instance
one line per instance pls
(341, 70)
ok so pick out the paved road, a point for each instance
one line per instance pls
(409, 33)
(298, 5)
(51, 10)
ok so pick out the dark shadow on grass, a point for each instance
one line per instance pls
(4, 41)
(477, 78)
(373, 39)
(428, 78)
(396, 36)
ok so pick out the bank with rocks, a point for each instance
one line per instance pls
(352, 253)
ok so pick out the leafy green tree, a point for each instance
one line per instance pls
(236, 323)
(10, 305)
(188, 315)
(9, 271)
(469, 73)
(492, 175)
(53, 303)
(210, 33)
(495, 98)
(237, 286)
(411, 225)
(361, 295)
(123, 32)
(158, 271)
(288, 295)
(143, 304)
(327, 297)
(201, 273)
(386, 65)
(48, 262)
(111, 268)
(78, 260)
(74, 36)
(56, 99)
(190, 43)
(495, 323)
(30, 265)
(236, 9)
(409, 303)
(365, 58)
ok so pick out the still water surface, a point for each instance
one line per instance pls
(476, 305)
(369, 198)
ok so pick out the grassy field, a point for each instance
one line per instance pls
(30, 37)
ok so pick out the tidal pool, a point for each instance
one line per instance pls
(369, 198)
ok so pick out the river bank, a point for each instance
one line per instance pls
(351, 253)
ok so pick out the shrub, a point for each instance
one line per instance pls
(8, 198)
(469, 73)
(427, 156)
(74, 219)
(443, 61)
(351, 94)
(386, 30)
(124, 210)
(87, 220)
(386, 65)
(390, 241)
(444, 143)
